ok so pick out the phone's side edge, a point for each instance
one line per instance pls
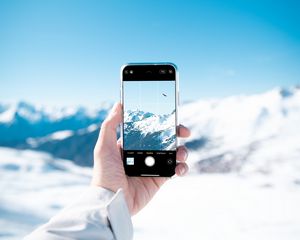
(122, 103)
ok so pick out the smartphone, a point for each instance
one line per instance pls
(149, 96)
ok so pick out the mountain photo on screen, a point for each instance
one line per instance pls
(149, 115)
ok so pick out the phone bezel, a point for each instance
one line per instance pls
(168, 173)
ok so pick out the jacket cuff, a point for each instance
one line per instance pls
(119, 217)
(118, 213)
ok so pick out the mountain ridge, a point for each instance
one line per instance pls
(146, 130)
(245, 133)
(236, 133)
(40, 121)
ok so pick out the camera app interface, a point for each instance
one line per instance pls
(149, 116)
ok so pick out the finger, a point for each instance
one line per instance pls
(159, 181)
(108, 132)
(119, 145)
(182, 153)
(183, 131)
(181, 169)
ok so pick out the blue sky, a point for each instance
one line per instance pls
(148, 96)
(70, 52)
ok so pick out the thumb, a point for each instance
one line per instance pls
(108, 132)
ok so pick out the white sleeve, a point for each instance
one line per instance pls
(98, 214)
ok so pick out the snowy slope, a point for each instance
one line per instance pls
(258, 133)
(145, 130)
(34, 187)
(221, 207)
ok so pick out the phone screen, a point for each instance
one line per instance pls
(149, 115)
(149, 123)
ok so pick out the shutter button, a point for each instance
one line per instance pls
(149, 161)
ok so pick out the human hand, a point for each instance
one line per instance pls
(108, 171)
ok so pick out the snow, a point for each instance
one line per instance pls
(220, 207)
(60, 135)
(34, 186)
(34, 113)
(138, 125)
(256, 137)
(258, 116)
(10, 112)
(149, 122)
(7, 116)
(20, 121)
(249, 128)
(92, 128)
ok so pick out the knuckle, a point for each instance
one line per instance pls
(106, 123)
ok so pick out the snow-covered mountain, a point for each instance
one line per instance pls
(256, 133)
(145, 130)
(74, 145)
(19, 121)
(65, 132)
(255, 138)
